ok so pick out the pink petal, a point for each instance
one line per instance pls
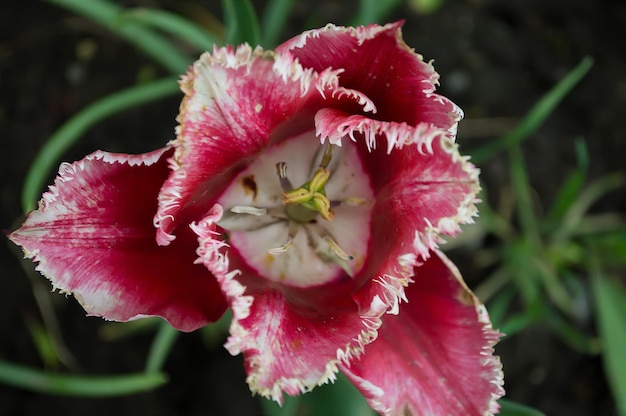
(376, 62)
(436, 356)
(292, 338)
(422, 184)
(93, 236)
(236, 103)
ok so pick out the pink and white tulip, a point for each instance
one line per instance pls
(307, 189)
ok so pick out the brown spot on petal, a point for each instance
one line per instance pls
(268, 55)
(249, 186)
(406, 411)
(466, 297)
(296, 345)
(268, 259)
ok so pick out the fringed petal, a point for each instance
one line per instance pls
(420, 180)
(292, 338)
(376, 62)
(237, 102)
(436, 356)
(93, 236)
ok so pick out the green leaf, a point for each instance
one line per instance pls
(517, 323)
(572, 336)
(585, 200)
(373, 11)
(523, 204)
(537, 114)
(71, 385)
(44, 343)
(610, 303)
(425, 6)
(174, 24)
(273, 21)
(156, 46)
(289, 408)
(69, 133)
(112, 331)
(571, 188)
(519, 260)
(215, 334)
(241, 22)
(499, 305)
(509, 408)
(610, 247)
(161, 346)
(340, 398)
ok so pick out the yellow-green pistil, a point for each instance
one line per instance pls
(311, 196)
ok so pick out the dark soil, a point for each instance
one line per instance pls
(496, 58)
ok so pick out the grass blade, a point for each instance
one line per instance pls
(610, 302)
(509, 408)
(590, 195)
(373, 11)
(273, 21)
(171, 23)
(241, 22)
(49, 155)
(517, 323)
(156, 46)
(521, 187)
(161, 346)
(338, 398)
(71, 385)
(537, 114)
(571, 188)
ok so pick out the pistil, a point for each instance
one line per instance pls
(311, 195)
(300, 235)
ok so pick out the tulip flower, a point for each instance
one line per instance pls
(308, 189)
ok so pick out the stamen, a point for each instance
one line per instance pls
(319, 179)
(336, 249)
(245, 209)
(281, 171)
(336, 254)
(282, 249)
(328, 155)
(312, 195)
(353, 201)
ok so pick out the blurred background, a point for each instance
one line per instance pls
(549, 243)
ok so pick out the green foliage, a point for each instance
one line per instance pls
(373, 11)
(241, 22)
(338, 398)
(544, 263)
(610, 299)
(536, 116)
(425, 6)
(173, 24)
(548, 261)
(107, 13)
(273, 21)
(70, 385)
(70, 132)
(509, 408)
(161, 346)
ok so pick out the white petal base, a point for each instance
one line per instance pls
(287, 251)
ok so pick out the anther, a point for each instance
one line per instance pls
(281, 171)
(328, 154)
(353, 201)
(245, 209)
(336, 249)
(282, 249)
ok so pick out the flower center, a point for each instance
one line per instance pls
(311, 195)
(304, 236)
